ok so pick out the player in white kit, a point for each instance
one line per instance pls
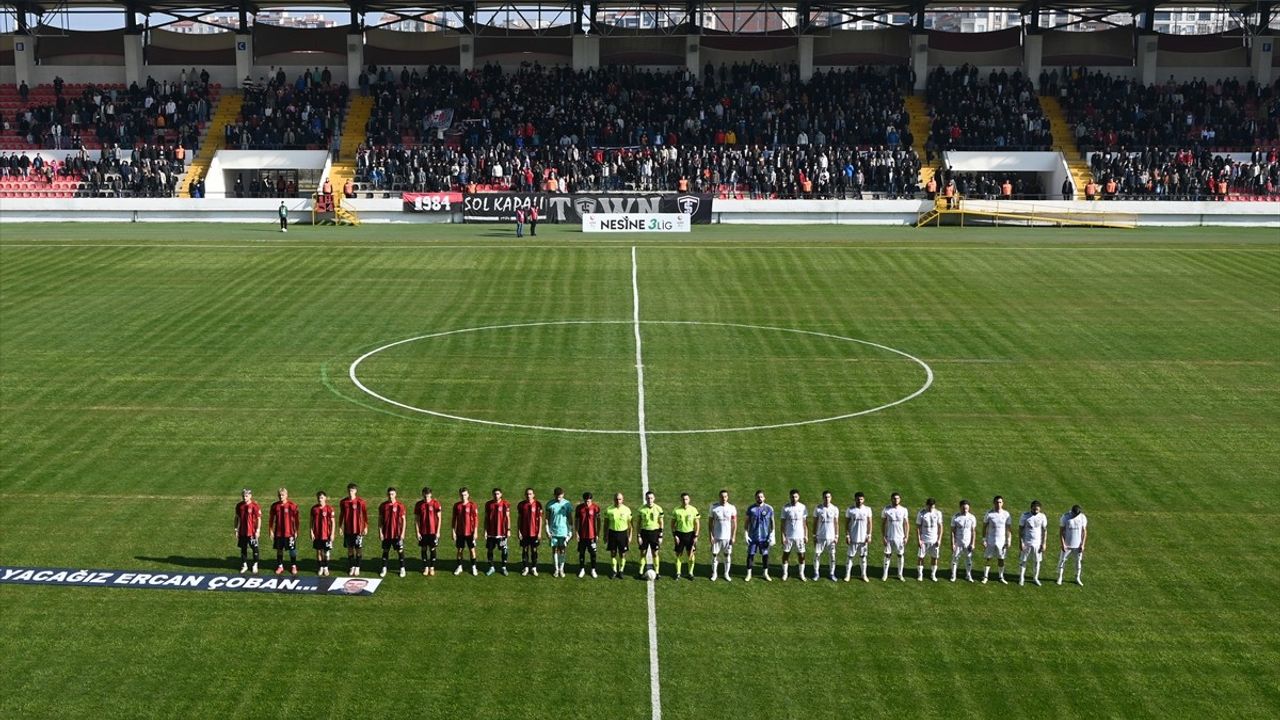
(857, 533)
(996, 537)
(1073, 531)
(895, 529)
(724, 526)
(826, 523)
(929, 538)
(964, 527)
(1031, 532)
(795, 532)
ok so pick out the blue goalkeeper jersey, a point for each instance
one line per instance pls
(760, 522)
(558, 514)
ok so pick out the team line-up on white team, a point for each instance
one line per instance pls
(559, 521)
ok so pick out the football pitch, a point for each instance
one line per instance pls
(148, 372)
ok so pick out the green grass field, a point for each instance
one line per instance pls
(149, 372)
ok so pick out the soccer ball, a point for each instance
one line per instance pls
(650, 574)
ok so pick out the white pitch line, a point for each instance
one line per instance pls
(655, 689)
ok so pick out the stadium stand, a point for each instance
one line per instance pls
(749, 130)
(972, 113)
(1111, 112)
(279, 114)
(1185, 174)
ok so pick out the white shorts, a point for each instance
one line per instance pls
(930, 550)
(996, 551)
(892, 547)
(793, 545)
(822, 546)
(1030, 551)
(961, 550)
(858, 549)
(718, 546)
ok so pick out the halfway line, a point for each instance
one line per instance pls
(655, 690)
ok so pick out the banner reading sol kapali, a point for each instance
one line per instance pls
(557, 208)
(208, 582)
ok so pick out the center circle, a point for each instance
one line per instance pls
(818, 342)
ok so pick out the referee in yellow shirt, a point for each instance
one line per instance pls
(651, 518)
(617, 525)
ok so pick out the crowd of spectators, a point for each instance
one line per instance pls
(279, 114)
(968, 112)
(1115, 112)
(751, 129)
(158, 111)
(1182, 174)
(748, 171)
(144, 171)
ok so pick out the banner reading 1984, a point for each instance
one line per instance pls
(208, 582)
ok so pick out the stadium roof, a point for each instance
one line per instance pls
(1119, 6)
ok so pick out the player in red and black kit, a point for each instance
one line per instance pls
(497, 529)
(529, 527)
(466, 516)
(392, 517)
(248, 523)
(322, 531)
(353, 521)
(588, 527)
(283, 524)
(426, 513)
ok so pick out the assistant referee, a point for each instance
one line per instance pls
(617, 525)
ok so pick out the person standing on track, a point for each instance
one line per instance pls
(283, 213)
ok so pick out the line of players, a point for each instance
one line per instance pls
(559, 521)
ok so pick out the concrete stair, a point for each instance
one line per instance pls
(919, 127)
(215, 137)
(343, 168)
(1064, 141)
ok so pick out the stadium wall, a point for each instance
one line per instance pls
(751, 212)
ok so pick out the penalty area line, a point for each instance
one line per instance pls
(655, 687)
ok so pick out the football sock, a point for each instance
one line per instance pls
(293, 554)
(864, 566)
(848, 568)
(244, 554)
(656, 562)
(901, 560)
(679, 565)
(255, 553)
(433, 557)
(533, 557)
(622, 564)
(887, 559)
(764, 560)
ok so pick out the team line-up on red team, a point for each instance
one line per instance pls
(559, 521)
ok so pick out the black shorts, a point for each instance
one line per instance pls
(319, 544)
(396, 544)
(353, 541)
(650, 540)
(530, 542)
(617, 541)
(685, 542)
(586, 544)
(283, 543)
(495, 542)
(429, 541)
(465, 541)
(246, 541)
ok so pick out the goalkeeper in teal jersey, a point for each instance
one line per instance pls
(559, 513)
